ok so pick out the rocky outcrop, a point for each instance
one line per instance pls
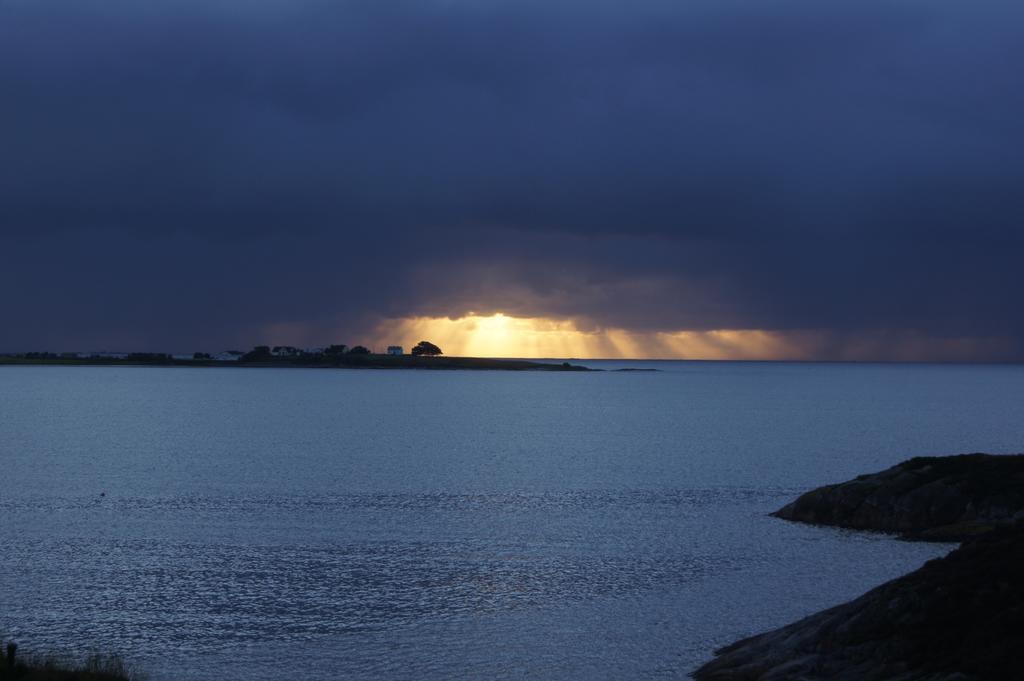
(958, 618)
(929, 498)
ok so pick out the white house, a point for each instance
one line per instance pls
(395, 350)
(284, 351)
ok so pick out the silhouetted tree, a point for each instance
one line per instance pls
(359, 350)
(201, 355)
(257, 354)
(426, 348)
(335, 350)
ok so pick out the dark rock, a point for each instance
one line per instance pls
(928, 498)
(958, 618)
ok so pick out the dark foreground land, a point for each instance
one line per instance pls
(958, 618)
(315, 362)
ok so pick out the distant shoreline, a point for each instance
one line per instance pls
(341, 362)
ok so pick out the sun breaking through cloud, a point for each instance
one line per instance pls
(504, 336)
(501, 335)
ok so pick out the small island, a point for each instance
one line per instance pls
(958, 618)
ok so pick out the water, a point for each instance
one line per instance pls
(256, 523)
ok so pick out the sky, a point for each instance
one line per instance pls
(720, 179)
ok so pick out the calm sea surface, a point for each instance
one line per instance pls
(261, 523)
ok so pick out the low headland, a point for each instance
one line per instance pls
(957, 618)
(928, 498)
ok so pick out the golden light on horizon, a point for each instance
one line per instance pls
(497, 335)
(501, 335)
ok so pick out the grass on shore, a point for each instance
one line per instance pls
(33, 667)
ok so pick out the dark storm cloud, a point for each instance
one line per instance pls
(197, 173)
